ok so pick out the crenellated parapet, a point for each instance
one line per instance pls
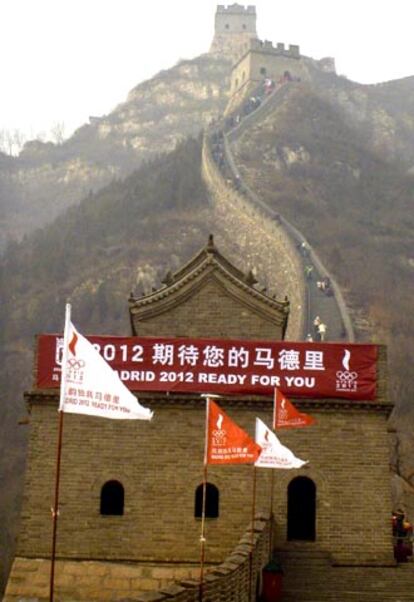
(292, 50)
(261, 60)
(235, 9)
(234, 26)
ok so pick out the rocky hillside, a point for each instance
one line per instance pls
(384, 112)
(46, 178)
(308, 161)
(346, 182)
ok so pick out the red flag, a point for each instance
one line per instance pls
(227, 443)
(286, 416)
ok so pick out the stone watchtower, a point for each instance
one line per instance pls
(234, 26)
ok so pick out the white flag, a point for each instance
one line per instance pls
(274, 454)
(90, 386)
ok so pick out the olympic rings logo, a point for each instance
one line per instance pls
(75, 364)
(346, 376)
(219, 433)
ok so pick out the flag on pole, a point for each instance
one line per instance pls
(89, 385)
(226, 442)
(274, 454)
(286, 416)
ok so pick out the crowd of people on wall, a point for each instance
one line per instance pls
(218, 152)
(266, 87)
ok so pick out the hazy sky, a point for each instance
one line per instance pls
(63, 60)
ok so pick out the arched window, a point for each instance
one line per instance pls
(301, 509)
(212, 501)
(263, 70)
(227, 26)
(244, 26)
(112, 498)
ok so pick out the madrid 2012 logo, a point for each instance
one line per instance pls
(346, 380)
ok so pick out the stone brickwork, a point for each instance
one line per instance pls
(234, 27)
(160, 465)
(89, 580)
(218, 320)
(266, 243)
(259, 60)
(92, 580)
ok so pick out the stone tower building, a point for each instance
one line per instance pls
(129, 516)
(234, 26)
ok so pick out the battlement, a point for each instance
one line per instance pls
(234, 26)
(235, 19)
(279, 49)
(236, 9)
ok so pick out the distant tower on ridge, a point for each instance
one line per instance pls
(235, 26)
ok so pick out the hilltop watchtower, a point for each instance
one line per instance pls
(234, 26)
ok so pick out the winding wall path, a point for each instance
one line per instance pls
(225, 182)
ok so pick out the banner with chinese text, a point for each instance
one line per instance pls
(306, 369)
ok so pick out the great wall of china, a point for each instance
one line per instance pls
(271, 242)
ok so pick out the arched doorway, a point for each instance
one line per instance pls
(212, 501)
(301, 509)
(112, 498)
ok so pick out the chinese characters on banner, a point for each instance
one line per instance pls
(227, 366)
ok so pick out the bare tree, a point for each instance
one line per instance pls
(3, 147)
(12, 141)
(58, 132)
(19, 138)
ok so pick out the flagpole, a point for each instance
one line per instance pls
(203, 508)
(252, 534)
(55, 509)
(272, 480)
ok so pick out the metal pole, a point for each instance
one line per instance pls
(55, 509)
(271, 513)
(203, 510)
(252, 534)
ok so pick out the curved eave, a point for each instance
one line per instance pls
(206, 254)
(175, 294)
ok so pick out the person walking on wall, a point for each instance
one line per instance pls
(322, 331)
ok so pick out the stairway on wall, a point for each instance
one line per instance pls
(331, 309)
(310, 576)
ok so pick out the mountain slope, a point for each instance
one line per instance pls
(45, 179)
(355, 205)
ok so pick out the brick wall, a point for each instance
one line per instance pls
(214, 313)
(89, 580)
(266, 244)
(160, 466)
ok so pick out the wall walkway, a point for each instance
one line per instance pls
(330, 304)
(265, 242)
(89, 581)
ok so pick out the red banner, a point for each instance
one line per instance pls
(226, 366)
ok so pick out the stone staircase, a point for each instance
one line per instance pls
(331, 309)
(310, 576)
